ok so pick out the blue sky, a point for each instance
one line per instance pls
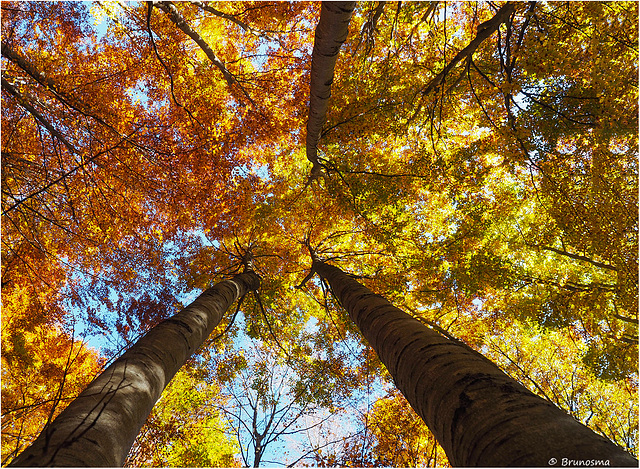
(341, 424)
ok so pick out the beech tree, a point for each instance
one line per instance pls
(100, 425)
(474, 163)
(331, 32)
(479, 415)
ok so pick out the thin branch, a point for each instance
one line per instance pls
(50, 85)
(264, 314)
(34, 112)
(164, 65)
(369, 28)
(485, 30)
(171, 11)
(221, 14)
(226, 329)
(174, 15)
(522, 371)
(66, 174)
(576, 257)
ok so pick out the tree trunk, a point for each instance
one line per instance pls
(480, 416)
(331, 32)
(100, 425)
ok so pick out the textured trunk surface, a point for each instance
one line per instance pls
(331, 32)
(100, 425)
(480, 416)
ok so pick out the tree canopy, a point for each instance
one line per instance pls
(474, 162)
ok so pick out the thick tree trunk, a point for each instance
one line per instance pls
(480, 416)
(100, 425)
(331, 32)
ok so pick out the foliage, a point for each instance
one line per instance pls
(43, 369)
(392, 435)
(185, 429)
(145, 148)
(547, 362)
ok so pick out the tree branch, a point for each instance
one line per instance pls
(171, 11)
(369, 28)
(65, 175)
(221, 14)
(577, 257)
(174, 15)
(24, 102)
(485, 30)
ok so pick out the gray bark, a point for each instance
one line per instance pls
(479, 415)
(100, 425)
(330, 34)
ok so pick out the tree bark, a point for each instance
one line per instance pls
(331, 32)
(480, 416)
(100, 425)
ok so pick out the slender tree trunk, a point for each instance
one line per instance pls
(100, 425)
(331, 32)
(480, 416)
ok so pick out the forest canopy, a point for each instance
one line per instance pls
(475, 163)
